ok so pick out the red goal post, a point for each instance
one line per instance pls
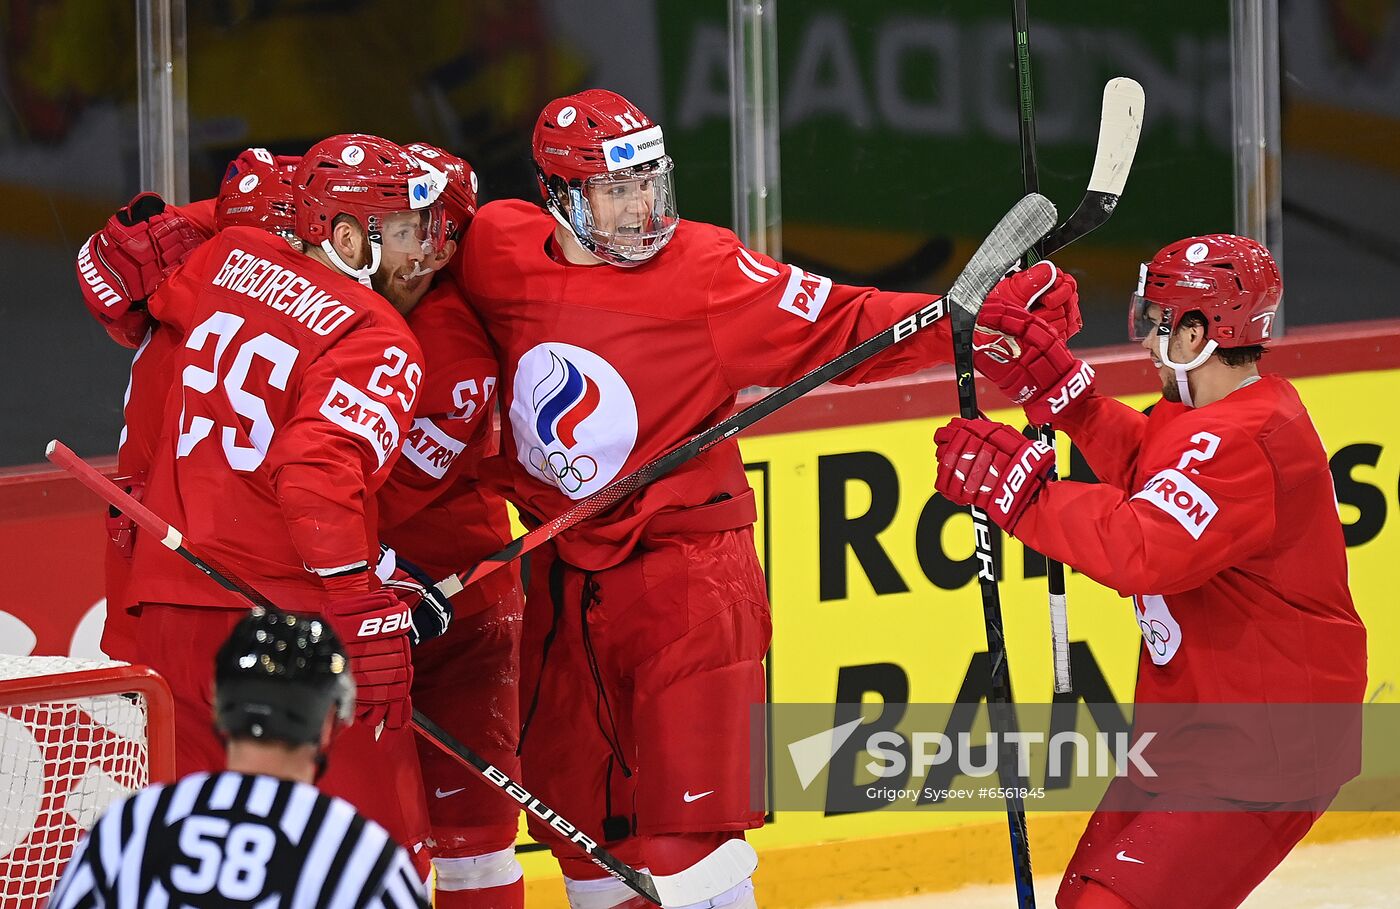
(75, 735)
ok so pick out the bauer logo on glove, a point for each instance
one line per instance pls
(1031, 458)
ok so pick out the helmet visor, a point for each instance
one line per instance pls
(632, 213)
(1139, 326)
(417, 234)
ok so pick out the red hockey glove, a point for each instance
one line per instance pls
(1046, 291)
(121, 528)
(1028, 361)
(429, 611)
(124, 262)
(992, 466)
(374, 628)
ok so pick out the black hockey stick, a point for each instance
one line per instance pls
(1120, 124)
(999, 704)
(1018, 229)
(1030, 179)
(724, 868)
(964, 320)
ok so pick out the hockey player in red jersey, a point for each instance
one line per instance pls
(431, 511)
(434, 512)
(1216, 515)
(621, 330)
(296, 385)
(119, 267)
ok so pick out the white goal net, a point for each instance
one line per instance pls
(74, 736)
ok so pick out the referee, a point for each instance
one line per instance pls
(258, 835)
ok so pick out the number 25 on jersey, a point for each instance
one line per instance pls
(248, 390)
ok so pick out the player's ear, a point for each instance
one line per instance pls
(1197, 337)
(444, 255)
(348, 239)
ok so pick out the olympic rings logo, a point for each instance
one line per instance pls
(569, 474)
(1156, 635)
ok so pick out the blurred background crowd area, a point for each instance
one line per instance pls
(896, 126)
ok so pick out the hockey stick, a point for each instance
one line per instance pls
(61, 455)
(964, 320)
(724, 868)
(1030, 179)
(1018, 229)
(1120, 124)
(966, 302)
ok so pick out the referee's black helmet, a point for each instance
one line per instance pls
(278, 675)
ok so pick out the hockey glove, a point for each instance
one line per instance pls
(992, 466)
(1028, 361)
(1045, 291)
(374, 628)
(121, 528)
(430, 611)
(124, 262)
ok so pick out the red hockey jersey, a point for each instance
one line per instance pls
(607, 368)
(152, 373)
(143, 409)
(433, 509)
(1221, 524)
(296, 387)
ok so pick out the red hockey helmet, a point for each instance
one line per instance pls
(366, 178)
(257, 192)
(1232, 281)
(605, 175)
(459, 198)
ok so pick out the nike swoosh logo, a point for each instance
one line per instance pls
(444, 794)
(1125, 857)
(699, 795)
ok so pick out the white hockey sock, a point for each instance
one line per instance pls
(478, 872)
(601, 893)
(607, 892)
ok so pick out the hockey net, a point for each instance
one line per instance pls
(75, 735)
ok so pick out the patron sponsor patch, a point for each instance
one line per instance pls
(805, 294)
(348, 407)
(1176, 494)
(429, 448)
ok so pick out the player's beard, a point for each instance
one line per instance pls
(1170, 391)
(403, 295)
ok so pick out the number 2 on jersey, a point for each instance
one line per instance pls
(223, 328)
(1208, 443)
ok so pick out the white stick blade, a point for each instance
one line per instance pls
(727, 867)
(1028, 220)
(1119, 127)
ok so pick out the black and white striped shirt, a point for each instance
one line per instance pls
(234, 839)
